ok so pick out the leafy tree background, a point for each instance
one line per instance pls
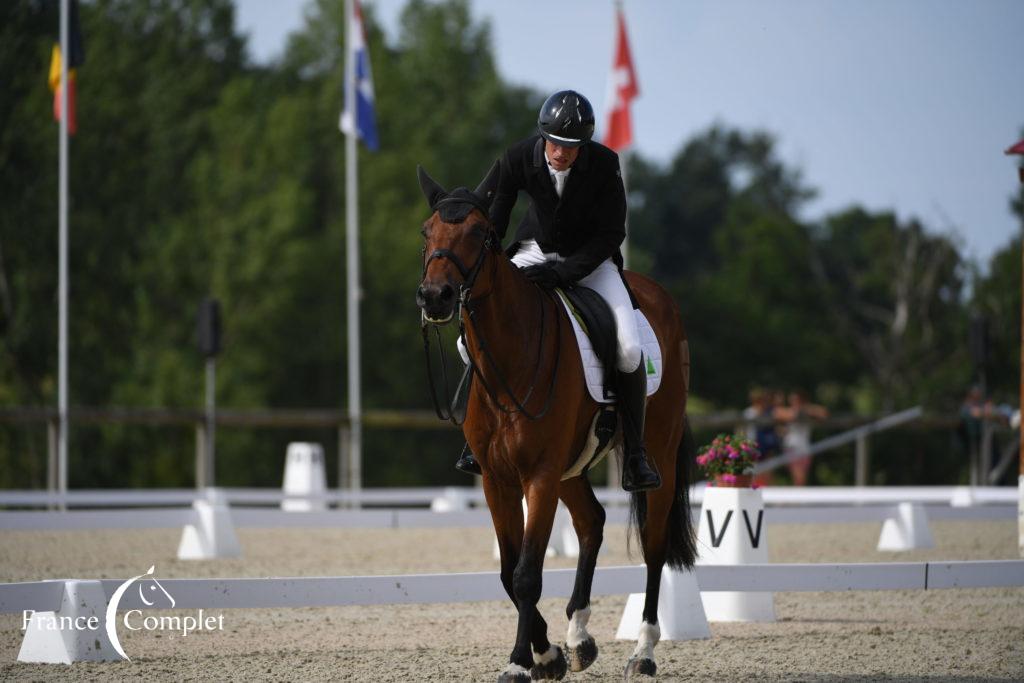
(197, 173)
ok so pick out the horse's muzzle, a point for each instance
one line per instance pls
(437, 302)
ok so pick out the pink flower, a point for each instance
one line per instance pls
(729, 478)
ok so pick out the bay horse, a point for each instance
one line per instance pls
(528, 418)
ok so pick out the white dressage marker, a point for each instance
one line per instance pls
(908, 530)
(305, 478)
(732, 531)
(75, 632)
(212, 535)
(680, 610)
(454, 499)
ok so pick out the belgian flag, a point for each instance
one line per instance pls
(76, 57)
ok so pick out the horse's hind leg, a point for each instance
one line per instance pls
(588, 519)
(654, 538)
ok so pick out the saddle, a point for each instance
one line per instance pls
(594, 326)
(594, 315)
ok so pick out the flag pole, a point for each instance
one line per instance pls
(62, 277)
(623, 162)
(1018, 148)
(355, 445)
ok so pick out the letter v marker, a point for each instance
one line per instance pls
(755, 538)
(717, 540)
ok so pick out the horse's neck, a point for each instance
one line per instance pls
(508, 320)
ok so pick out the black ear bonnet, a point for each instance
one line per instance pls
(454, 206)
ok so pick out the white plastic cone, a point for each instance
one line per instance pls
(908, 530)
(680, 610)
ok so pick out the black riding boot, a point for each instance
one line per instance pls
(637, 475)
(466, 462)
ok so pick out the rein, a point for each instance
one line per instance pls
(465, 302)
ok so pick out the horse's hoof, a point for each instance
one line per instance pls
(583, 655)
(552, 667)
(637, 668)
(514, 673)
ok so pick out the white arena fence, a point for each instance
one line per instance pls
(411, 497)
(256, 518)
(783, 506)
(245, 593)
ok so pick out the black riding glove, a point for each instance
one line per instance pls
(545, 275)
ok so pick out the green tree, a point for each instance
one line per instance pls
(894, 292)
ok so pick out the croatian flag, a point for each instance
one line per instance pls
(366, 123)
(622, 88)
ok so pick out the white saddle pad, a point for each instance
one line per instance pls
(592, 367)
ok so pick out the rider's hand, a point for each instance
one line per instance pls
(544, 275)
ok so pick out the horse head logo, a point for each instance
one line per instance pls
(150, 591)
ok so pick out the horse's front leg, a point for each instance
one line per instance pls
(505, 503)
(533, 656)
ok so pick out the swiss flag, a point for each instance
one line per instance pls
(622, 88)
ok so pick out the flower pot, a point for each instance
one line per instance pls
(735, 481)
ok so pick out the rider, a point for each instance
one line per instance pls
(571, 234)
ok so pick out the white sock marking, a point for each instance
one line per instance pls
(577, 632)
(546, 657)
(650, 634)
(515, 670)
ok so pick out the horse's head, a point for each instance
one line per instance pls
(456, 238)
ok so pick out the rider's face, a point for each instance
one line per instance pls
(560, 157)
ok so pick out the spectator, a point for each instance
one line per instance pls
(797, 417)
(974, 412)
(760, 428)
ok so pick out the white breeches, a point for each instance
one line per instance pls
(606, 281)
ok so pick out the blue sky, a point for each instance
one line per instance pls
(890, 104)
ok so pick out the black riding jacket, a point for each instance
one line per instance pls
(586, 225)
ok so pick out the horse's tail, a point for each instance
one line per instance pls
(681, 541)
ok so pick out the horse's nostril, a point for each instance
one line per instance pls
(447, 293)
(421, 297)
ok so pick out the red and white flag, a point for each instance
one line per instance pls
(622, 88)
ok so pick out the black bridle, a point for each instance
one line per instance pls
(465, 302)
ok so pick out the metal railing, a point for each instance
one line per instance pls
(858, 430)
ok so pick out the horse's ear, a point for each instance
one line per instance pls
(431, 190)
(487, 187)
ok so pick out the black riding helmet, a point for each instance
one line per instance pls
(566, 119)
